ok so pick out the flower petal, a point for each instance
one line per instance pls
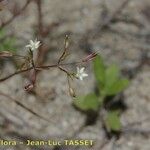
(81, 78)
(84, 75)
(28, 45)
(78, 70)
(31, 42)
(82, 70)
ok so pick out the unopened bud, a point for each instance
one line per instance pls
(29, 87)
(66, 41)
(6, 54)
(72, 92)
(90, 57)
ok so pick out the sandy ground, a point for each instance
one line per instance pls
(124, 43)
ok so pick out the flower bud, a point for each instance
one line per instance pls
(90, 57)
(29, 87)
(6, 54)
(72, 92)
(66, 42)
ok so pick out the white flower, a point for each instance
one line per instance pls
(80, 73)
(33, 45)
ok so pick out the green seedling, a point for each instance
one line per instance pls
(109, 83)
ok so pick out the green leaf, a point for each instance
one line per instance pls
(8, 43)
(99, 70)
(88, 102)
(2, 33)
(117, 87)
(112, 74)
(101, 99)
(112, 121)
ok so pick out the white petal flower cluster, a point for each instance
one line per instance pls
(33, 45)
(80, 73)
